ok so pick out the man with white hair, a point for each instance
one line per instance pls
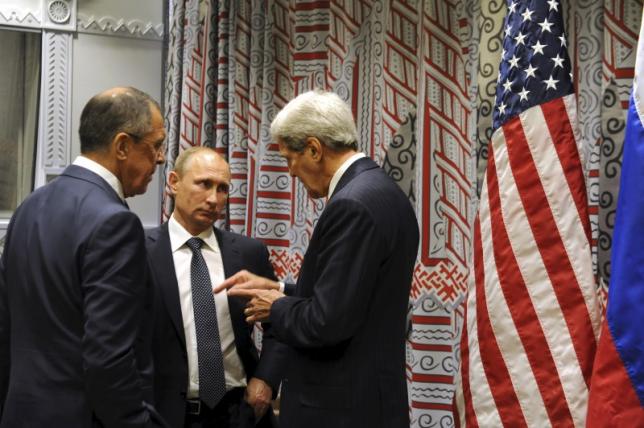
(344, 324)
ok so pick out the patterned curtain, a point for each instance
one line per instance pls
(420, 76)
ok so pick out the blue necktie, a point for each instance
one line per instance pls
(212, 384)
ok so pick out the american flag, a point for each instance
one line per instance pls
(532, 314)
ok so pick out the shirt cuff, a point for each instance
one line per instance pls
(282, 286)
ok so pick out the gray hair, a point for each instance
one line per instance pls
(113, 111)
(323, 115)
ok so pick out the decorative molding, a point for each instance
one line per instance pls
(59, 11)
(20, 18)
(54, 133)
(59, 14)
(108, 25)
(51, 14)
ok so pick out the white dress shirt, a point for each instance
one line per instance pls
(340, 171)
(182, 255)
(101, 171)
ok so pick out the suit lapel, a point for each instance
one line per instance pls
(161, 254)
(231, 258)
(230, 255)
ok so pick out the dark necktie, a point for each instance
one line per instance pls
(212, 384)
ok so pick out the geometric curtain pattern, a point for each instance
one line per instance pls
(420, 78)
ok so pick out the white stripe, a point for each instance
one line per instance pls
(583, 266)
(507, 336)
(538, 283)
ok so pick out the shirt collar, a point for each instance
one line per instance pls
(179, 236)
(102, 172)
(340, 171)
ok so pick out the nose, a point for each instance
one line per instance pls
(212, 196)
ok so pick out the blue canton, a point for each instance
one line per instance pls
(535, 66)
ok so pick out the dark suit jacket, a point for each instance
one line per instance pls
(72, 288)
(169, 344)
(345, 325)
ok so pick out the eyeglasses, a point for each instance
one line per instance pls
(159, 147)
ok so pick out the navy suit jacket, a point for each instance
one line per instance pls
(345, 325)
(72, 289)
(169, 344)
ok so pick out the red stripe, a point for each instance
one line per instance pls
(250, 225)
(417, 377)
(551, 247)
(431, 406)
(273, 216)
(273, 195)
(305, 56)
(421, 319)
(612, 401)
(311, 28)
(436, 348)
(496, 371)
(276, 242)
(273, 168)
(563, 139)
(470, 415)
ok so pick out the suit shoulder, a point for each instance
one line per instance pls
(152, 234)
(242, 240)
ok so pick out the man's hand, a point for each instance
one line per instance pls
(246, 280)
(258, 394)
(258, 309)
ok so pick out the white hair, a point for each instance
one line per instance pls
(323, 115)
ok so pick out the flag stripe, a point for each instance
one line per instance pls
(563, 139)
(522, 312)
(483, 410)
(549, 241)
(496, 371)
(463, 401)
(548, 312)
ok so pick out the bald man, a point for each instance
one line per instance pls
(73, 278)
(207, 372)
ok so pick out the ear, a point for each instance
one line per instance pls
(120, 145)
(173, 181)
(315, 148)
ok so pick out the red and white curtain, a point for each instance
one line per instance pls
(420, 77)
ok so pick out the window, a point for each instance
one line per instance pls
(19, 92)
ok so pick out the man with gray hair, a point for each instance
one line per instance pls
(344, 320)
(73, 278)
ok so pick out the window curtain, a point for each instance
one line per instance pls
(19, 84)
(420, 77)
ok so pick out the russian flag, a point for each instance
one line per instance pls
(617, 385)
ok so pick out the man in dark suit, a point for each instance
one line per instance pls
(73, 275)
(236, 386)
(345, 324)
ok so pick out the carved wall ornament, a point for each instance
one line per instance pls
(59, 11)
(118, 26)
